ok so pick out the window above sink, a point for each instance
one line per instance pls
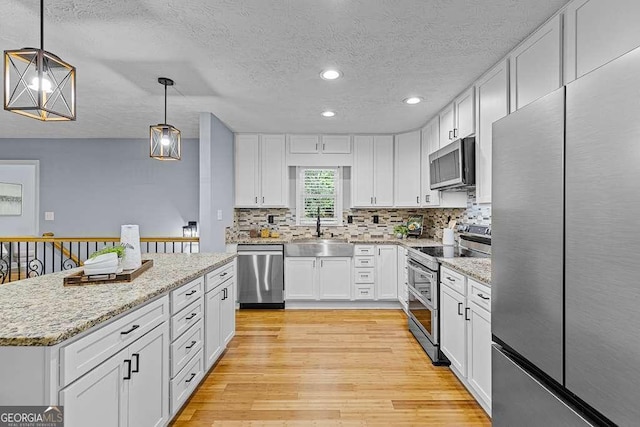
(319, 187)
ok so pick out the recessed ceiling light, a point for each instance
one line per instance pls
(413, 100)
(330, 74)
(328, 113)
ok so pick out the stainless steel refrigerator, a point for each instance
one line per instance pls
(566, 255)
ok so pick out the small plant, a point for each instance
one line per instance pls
(118, 249)
(401, 229)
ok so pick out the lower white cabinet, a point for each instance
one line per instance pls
(220, 313)
(386, 272)
(403, 278)
(228, 311)
(465, 336)
(213, 332)
(129, 389)
(310, 278)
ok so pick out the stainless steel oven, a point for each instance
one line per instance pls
(424, 320)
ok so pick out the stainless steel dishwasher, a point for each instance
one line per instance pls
(261, 276)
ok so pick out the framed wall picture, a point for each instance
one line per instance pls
(414, 224)
(10, 199)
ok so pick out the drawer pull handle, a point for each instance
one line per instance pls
(451, 279)
(189, 347)
(133, 328)
(192, 316)
(483, 297)
(190, 378)
(137, 368)
(459, 308)
(223, 274)
(191, 293)
(128, 374)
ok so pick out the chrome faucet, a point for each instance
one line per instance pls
(318, 233)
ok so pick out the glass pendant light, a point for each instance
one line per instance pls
(38, 84)
(164, 142)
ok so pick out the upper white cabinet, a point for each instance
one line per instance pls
(465, 116)
(314, 144)
(458, 119)
(336, 144)
(430, 143)
(407, 169)
(493, 104)
(261, 171)
(372, 176)
(447, 123)
(598, 31)
(536, 66)
(304, 144)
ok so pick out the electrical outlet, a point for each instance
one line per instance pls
(349, 219)
(270, 219)
(376, 219)
(49, 216)
(219, 214)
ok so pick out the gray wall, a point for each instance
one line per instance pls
(216, 182)
(95, 185)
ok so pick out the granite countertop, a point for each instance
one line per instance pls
(374, 240)
(476, 268)
(41, 312)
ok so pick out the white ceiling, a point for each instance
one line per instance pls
(256, 63)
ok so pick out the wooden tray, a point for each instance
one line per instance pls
(79, 279)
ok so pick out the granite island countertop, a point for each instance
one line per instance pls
(42, 312)
(476, 268)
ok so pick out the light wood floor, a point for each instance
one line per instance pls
(328, 368)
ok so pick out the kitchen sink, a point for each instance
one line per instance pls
(319, 248)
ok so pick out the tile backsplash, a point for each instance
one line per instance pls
(435, 220)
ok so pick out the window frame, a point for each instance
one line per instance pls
(337, 220)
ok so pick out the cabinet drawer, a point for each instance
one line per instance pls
(186, 381)
(453, 279)
(185, 295)
(182, 321)
(83, 355)
(364, 250)
(364, 261)
(364, 275)
(220, 275)
(183, 349)
(364, 292)
(480, 294)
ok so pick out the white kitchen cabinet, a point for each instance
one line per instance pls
(372, 176)
(430, 143)
(304, 144)
(536, 66)
(213, 330)
(598, 31)
(453, 338)
(386, 272)
(493, 104)
(247, 172)
(479, 351)
(336, 144)
(261, 171)
(310, 278)
(447, 123)
(129, 389)
(403, 278)
(465, 117)
(407, 169)
(228, 310)
(300, 278)
(334, 278)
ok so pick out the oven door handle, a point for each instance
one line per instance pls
(422, 301)
(417, 269)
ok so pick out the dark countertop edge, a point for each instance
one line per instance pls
(48, 341)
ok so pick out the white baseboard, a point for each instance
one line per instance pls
(342, 305)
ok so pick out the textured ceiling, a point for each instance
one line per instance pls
(256, 63)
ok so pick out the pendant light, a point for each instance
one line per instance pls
(164, 139)
(38, 84)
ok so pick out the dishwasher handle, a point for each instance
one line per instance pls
(260, 253)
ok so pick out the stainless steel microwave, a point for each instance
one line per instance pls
(453, 166)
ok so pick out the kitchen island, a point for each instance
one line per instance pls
(133, 350)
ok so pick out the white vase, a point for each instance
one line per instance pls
(130, 236)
